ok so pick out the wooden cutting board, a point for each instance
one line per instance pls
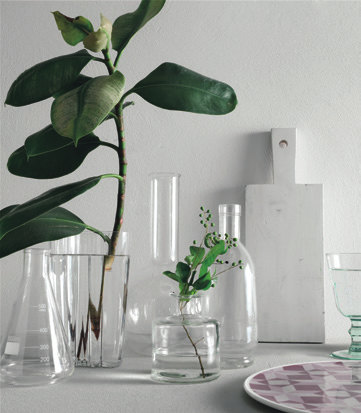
(284, 235)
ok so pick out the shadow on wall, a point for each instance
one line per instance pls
(255, 167)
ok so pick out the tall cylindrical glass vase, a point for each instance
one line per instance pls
(149, 298)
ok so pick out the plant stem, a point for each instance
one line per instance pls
(192, 342)
(118, 220)
(109, 145)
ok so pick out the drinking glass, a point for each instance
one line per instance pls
(345, 273)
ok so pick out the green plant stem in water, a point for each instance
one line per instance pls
(95, 313)
(194, 344)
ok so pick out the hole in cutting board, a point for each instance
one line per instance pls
(283, 144)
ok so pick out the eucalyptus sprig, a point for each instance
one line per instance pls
(194, 273)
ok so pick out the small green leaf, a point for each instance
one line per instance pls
(78, 112)
(212, 255)
(96, 41)
(189, 259)
(48, 155)
(203, 283)
(56, 224)
(172, 275)
(73, 30)
(183, 271)
(125, 27)
(174, 87)
(198, 254)
(47, 78)
(83, 23)
(43, 203)
(218, 249)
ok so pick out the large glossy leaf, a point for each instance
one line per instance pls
(79, 81)
(175, 87)
(125, 27)
(78, 112)
(47, 78)
(56, 224)
(43, 203)
(73, 30)
(48, 155)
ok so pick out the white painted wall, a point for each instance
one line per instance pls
(292, 64)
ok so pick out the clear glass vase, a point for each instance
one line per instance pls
(91, 290)
(34, 350)
(145, 304)
(186, 345)
(233, 300)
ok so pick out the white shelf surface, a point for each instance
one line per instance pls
(129, 389)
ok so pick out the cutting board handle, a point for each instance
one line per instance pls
(284, 155)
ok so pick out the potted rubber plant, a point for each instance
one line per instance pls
(79, 104)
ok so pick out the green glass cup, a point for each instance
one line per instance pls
(345, 273)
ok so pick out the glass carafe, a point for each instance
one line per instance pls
(149, 298)
(34, 350)
(233, 300)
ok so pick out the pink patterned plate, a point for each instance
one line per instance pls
(320, 387)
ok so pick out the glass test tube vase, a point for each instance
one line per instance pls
(149, 298)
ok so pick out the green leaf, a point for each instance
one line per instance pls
(174, 87)
(79, 81)
(218, 249)
(203, 283)
(96, 41)
(56, 224)
(48, 155)
(47, 78)
(73, 30)
(78, 112)
(125, 27)
(43, 203)
(182, 271)
(189, 259)
(198, 254)
(172, 275)
(183, 287)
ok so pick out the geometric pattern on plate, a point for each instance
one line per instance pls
(322, 387)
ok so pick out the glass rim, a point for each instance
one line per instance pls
(328, 254)
(164, 174)
(230, 209)
(344, 261)
(65, 254)
(186, 297)
(39, 250)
